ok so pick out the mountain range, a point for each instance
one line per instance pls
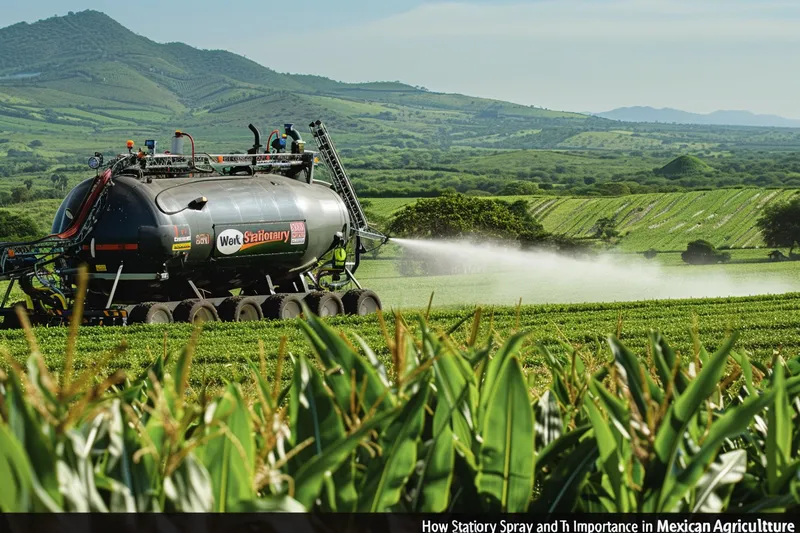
(84, 80)
(718, 118)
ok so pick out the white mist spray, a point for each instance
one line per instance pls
(502, 275)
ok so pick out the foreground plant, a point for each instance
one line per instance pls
(446, 426)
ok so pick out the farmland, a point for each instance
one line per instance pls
(766, 324)
(663, 221)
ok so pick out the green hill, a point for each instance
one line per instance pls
(684, 166)
(60, 77)
(663, 221)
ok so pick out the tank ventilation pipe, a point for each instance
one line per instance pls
(257, 142)
(298, 146)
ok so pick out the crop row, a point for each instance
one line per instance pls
(765, 323)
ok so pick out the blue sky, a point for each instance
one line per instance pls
(579, 55)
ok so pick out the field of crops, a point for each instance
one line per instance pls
(766, 324)
(664, 221)
(440, 424)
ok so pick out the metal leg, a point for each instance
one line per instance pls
(195, 289)
(270, 285)
(114, 287)
(8, 293)
(352, 278)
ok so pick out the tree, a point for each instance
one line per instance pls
(780, 224)
(459, 216)
(15, 227)
(702, 252)
(28, 183)
(605, 229)
(650, 253)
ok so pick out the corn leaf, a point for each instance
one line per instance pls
(505, 470)
(671, 431)
(313, 415)
(335, 353)
(309, 478)
(229, 455)
(436, 478)
(714, 488)
(386, 475)
(15, 475)
(779, 433)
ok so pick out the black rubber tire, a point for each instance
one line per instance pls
(323, 303)
(361, 302)
(282, 306)
(195, 312)
(151, 313)
(12, 321)
(240, 309)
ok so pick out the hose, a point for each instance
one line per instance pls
(273, 132)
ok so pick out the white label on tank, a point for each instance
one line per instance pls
(229, 241)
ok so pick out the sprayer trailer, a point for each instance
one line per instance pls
(188, 236)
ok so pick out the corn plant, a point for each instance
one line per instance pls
(445, 425)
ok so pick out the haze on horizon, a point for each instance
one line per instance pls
(577, 55)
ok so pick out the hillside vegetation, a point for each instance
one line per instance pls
(663, 221)
(59, 76)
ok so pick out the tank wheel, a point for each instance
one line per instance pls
(150, 313)
(282, 306)
(195, 311)
(361, 302)
(240, 309)
(323, 303)
(12, 321)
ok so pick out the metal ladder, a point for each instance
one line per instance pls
(341, 182)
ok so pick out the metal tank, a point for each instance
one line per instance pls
(223, 233)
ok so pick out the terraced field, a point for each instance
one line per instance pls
(664, 221)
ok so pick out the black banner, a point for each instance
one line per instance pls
(397, 523)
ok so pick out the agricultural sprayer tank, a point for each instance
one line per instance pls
(173, 236)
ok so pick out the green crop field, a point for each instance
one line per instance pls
(664, 221)
(766, 323)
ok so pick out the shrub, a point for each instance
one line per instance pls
(702, 252)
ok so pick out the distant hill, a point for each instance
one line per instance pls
(719, 118)
(684, 166)
(63, 81)
(60, 74)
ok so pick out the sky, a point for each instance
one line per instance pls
(575, 55)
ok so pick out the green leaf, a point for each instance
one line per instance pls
(610, 458)
(734, 422)
(509, 349)
(26, 426)
(335, 353)
(728, 470)
(560, 490)
(457, 392)
(433, 488)
(229, 457)
(15, 475)
(505, 470)
(189, 488)
(665, 358)
(310, 477)
(670, 433)
(387, 474)
(549, 424)
(779, 433)
(312, 414)
(631, 373)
